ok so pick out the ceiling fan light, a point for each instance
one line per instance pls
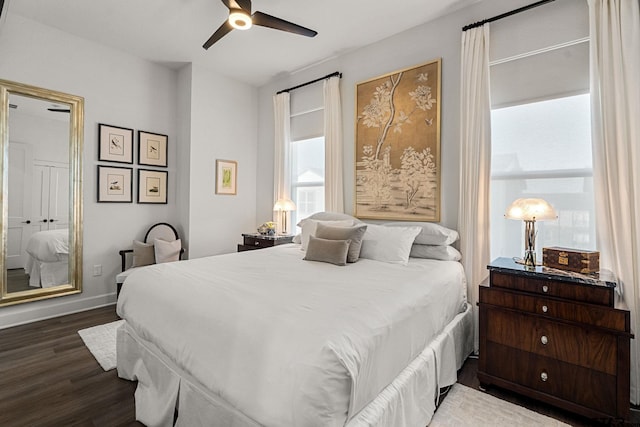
(239, 19)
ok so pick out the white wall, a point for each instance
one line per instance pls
(119, 89)
(437, 39)
(223, 125)
(49, 136)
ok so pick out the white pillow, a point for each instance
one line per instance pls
(309, 227)
(440, 252)
(430, 233)
(167, 251)
(388, 244)
(329, 216)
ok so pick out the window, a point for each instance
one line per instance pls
(307, 177)
(543, 149)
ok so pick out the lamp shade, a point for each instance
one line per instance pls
(531, 210)
(284, 204)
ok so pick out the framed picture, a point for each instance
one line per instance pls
(115, 144)
(152, 149)
(397, 158)
(115, 184)
(152, 186)
(226, 177)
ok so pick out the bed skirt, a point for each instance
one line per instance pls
(409, 401)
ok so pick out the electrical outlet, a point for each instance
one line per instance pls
(97, 270)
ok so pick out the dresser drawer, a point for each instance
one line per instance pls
(601, 295)
(591, 389)
(588, 348)
(588, 314)
(257, 242)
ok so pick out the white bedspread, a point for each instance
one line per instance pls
(49, 246)
(291, 342)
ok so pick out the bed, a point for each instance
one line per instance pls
(47, 259)
(265, 338)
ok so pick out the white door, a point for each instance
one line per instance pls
(19, 210)
(58, 197)
(40, 198)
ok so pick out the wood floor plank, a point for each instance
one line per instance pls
(49, 378)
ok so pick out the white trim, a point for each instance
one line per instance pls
(539, 51)
(302, 113)
(25, 317)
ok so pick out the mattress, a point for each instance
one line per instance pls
(291, 342)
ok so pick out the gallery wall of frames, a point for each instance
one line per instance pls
(116, 183)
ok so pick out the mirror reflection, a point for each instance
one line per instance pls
(41, 136)
(38, 199)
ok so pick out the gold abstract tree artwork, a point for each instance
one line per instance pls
(398, 145)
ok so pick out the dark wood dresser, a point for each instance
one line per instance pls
(555, 336)
(259, 241)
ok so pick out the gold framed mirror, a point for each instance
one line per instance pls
(41, 140)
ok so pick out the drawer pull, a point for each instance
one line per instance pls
(545, 308)
(544, 376)
(544, 340)
(545, 288)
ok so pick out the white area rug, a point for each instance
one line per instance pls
(101, 342)
(465, 406)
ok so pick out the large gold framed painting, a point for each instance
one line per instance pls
(398, 145)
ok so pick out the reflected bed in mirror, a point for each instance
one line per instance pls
(41, 136)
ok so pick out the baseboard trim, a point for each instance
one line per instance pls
(63, 308)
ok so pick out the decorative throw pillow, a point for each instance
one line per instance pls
(440, 252)
(430, 233)
(309, 228)
(324, 250)
(167, 251)
(142, 254)
(355, 234)
(388, 244)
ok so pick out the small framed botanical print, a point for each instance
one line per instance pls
(226, 177)
(152, 186)
(152, 149)
(115, 184)
(115, 144)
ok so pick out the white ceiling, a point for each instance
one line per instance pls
(172, 31)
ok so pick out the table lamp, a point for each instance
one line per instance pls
(530, 211)
(284, 206)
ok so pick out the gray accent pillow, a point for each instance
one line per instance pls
(143, 254)
(355, 234)
(324, 250)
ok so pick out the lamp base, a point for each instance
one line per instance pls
(530, 258)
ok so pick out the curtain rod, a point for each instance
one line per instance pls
(336, 73)
(504, 15)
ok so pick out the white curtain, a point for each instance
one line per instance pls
(615, 94)
(282, 149)
(333, 182)
(475, 161)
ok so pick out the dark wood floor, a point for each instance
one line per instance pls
(49, 378)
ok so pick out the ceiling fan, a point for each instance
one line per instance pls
(56, 109)
(240, 18)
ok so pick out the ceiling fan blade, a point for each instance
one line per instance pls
(269, 21)
(220, 32)
(59, 110)
(238, 4)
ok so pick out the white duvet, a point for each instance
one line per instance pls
(49, 246)
(291, 342)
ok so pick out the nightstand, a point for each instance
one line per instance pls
(557, 337)
(253, 241)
